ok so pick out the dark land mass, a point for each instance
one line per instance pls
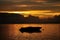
(30, 29)
(6, 18)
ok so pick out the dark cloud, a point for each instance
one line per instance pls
(19, 5)
(53, 0)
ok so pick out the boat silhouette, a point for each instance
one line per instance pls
(30, 29)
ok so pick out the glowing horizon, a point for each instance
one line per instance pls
(38, 13)
(33, 12)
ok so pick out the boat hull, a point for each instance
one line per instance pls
(30, 29)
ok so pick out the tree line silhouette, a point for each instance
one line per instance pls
(18, 18)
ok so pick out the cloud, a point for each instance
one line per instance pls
(19, 5)
(53, 1)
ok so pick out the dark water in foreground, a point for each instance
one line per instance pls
(11, 32)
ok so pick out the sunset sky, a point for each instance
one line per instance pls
(36, 7)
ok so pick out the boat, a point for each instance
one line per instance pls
(30, 29)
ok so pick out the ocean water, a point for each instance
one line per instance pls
(11, 32)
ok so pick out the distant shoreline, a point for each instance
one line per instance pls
(6, 18)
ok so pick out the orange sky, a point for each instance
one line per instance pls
(39, 13)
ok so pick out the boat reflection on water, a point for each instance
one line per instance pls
(30, 29)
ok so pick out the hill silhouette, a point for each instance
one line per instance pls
(11, 18)
(6, 18)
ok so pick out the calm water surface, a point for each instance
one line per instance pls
(11, 32)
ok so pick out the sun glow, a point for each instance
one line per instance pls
(20, 12)
(34, 12)
(27, 12)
